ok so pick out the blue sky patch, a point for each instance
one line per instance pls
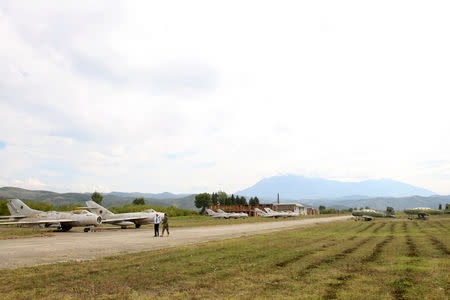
(2, 145)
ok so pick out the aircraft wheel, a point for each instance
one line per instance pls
(65, 228)
(87, 229)
(138, 225)
(123, 227)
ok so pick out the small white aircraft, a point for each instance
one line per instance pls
(277, 214)
(22, 215)
(233, 215)
(283, 214)
(220, 214)
(217, 215)
(264, 214)
(124, 219)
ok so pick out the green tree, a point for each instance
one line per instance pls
(203, 201)
(243, 201)
(254, 201)
(232, 200)
(322, 207)
(214, 199)
(139, 201)
(222, 197)
(440, 206)
(97, 198)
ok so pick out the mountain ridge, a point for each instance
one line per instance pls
(301, 187)
(109, 199)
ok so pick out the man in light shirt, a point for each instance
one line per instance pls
(156, 221)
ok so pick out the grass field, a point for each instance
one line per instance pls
(382, 259)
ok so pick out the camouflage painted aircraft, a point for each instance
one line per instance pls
(422, 212)
(124, 219)
(369, 214)
(23, 215)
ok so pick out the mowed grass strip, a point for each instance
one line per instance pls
(343, 260)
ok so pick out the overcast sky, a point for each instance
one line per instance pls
(193, 96)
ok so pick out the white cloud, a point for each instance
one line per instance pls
(103, 94)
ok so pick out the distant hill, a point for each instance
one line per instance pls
(299, 187)
(381, 203)
(109, 199)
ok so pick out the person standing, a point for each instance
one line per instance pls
(165, 225)
(156, 221)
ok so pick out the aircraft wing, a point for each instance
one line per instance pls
(37, 222)
(12, 217)
(115, 220)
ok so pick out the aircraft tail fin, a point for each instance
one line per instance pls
(18, 208)
(260, 212)
(98, 209)
(210, 212)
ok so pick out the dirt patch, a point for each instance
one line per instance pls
(392, 227)
(335, 257)
(377, 250)
(379, 227)
(303, 254)
(401, 286)
(404, 227)
(333, 288)
(367, 227)
(439, 245)
(412, 248)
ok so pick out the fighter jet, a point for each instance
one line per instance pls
(264, 214)
(422, 212)
(369, 214)
(23, 215)
(217, 215)
(124, 219)
(233, 215)
(282, 214)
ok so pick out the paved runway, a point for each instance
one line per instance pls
(65, 246)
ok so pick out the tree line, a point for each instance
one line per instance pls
(205, 200)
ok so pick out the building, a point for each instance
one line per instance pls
(291, 207)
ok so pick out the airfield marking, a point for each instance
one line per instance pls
(66, 246)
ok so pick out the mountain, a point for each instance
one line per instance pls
(109, 199)
(380, 203)
(299, 187)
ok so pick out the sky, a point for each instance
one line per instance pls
(200, 96)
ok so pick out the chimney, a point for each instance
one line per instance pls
(278, 196)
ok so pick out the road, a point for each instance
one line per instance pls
(76, 245)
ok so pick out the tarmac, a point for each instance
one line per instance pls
(76, 245)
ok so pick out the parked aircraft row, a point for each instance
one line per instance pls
(220, 214)
(23, 215)
(369, 214)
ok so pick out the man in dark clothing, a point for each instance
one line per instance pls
(165, 224)
(156, 221)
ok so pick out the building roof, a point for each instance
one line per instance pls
(296, 204)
